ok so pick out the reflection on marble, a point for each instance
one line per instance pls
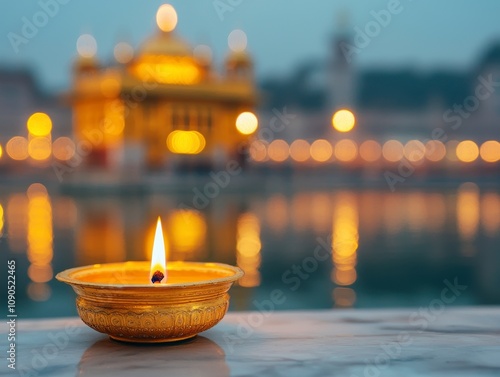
(105, 357)
(351, 343)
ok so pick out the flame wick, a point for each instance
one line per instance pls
(158, 271)
(157, 277)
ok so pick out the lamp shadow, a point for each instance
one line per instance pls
(199, 356)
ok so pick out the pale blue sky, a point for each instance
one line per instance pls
(281, 33)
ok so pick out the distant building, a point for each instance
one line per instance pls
(400, 103)
(164, 106)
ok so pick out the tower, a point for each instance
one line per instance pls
(342, 89)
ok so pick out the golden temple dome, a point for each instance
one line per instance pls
(165, 57)
(166, 43)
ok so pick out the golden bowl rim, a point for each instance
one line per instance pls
(65, 276)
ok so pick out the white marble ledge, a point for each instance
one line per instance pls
(350, 343)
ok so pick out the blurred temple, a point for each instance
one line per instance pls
(164, 107)
(165, 102)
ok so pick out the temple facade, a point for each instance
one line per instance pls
(163, 105)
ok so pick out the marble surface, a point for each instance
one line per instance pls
(351, 343)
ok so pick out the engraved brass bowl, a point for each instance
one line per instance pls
(116, 299)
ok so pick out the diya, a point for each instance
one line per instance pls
(148, 302)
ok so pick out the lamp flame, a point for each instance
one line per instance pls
(158, 271)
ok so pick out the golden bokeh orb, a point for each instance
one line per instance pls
(186, 142)
(321, 150)
(346, 150)
(63, 148)
(17, 148)
(247, 123)
(278, 150)
(393, 150)
(300, 150)
(258, 151)
(414, 150)
(39, 124)
(343, 120)
(490, 151)
(370, 151)
(467, 151)
(166, 18)
(39, 148)
(36, 190)
(435, 150)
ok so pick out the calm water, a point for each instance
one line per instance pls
(324, 249)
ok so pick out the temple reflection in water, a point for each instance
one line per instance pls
(378, 239)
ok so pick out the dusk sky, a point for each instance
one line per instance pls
(281, 33)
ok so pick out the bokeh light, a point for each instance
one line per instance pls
(321, 150)
(39, 124)
(343, 120)
(278, 150)
(344, 297)
(39, 148)
(39, 291)
(248, 246)
(123, 52)
(165, 69)
(63, 148)
(370, 151)
(65, 212)
(40, 273)
(490, 151)
(17, 148)
(346, 150)
(237, 40)
(467, 151)
(247, 123)
(393, 150)
(414, 151)
(40, 234)
(1, 151)
(166, 18)
(435, 150)
(468, 214)
(86, 46)
(16, 215)
(258, 150)
(187, 230)
(186, 142)
(36, 190)
(300, 150)
(345, 239)
(490, 213)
